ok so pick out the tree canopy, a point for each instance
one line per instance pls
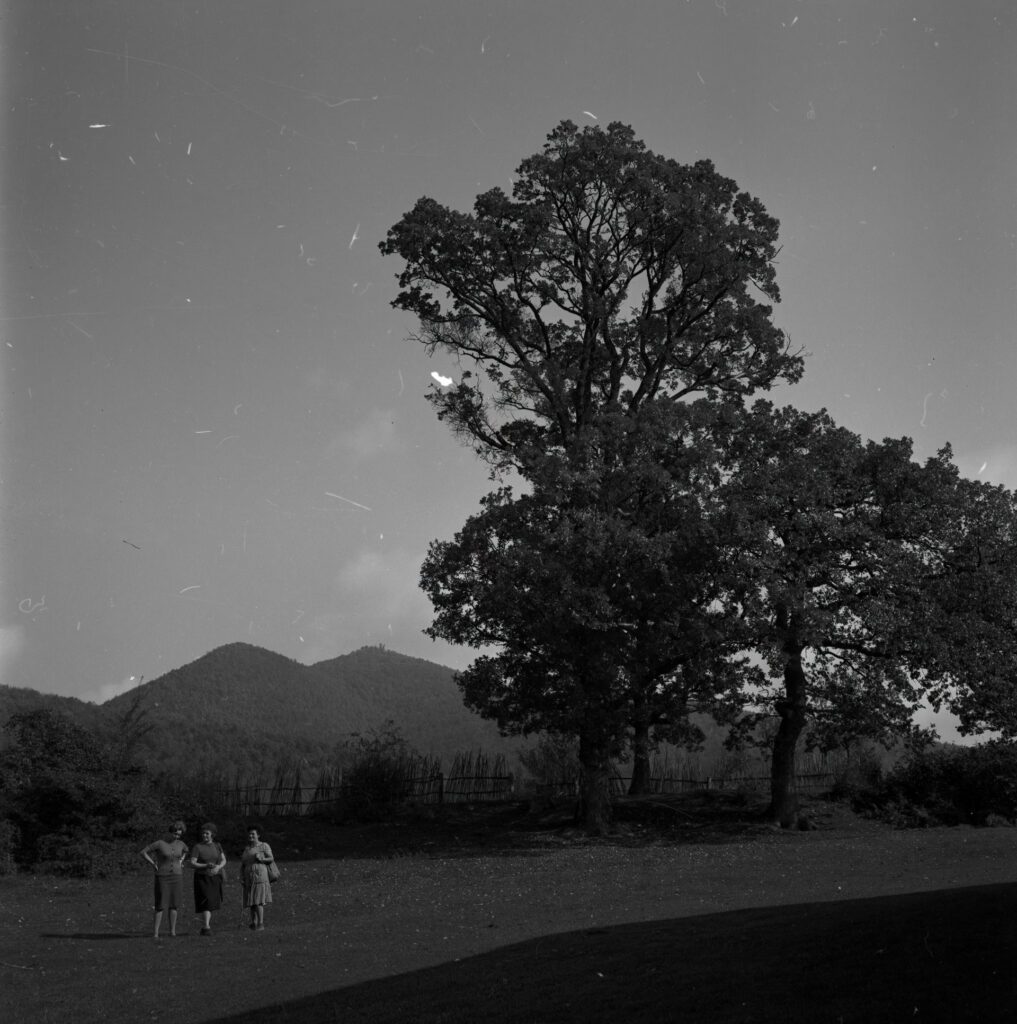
(675, 548)
(611, 277)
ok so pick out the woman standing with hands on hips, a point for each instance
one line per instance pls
(208, 861)
(255, 861)
(166, 857)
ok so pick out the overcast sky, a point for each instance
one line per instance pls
(213, 424)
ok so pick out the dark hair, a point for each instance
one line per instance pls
(178, 826)
(254, 827)
(208, 827)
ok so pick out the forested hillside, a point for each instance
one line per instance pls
(16, 699)
(242, 709)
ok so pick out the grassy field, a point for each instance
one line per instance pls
(498, 917)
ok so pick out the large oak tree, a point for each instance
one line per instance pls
(612, 279)
(602, 591)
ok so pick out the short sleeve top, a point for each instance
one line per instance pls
(207, 854)
(168, 856)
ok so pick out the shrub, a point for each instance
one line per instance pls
(860, 771)
(378, 772)
(10, 838)
(553, 762)
(67, 806)
(81, 856)
(952, 786)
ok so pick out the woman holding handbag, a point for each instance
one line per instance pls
(257, 864)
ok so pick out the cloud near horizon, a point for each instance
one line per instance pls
(12, 644)
(108, 691)
(375, 601)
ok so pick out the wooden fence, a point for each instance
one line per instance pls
(810, 782)
(297, 799)
(439, 788)
(472, 778)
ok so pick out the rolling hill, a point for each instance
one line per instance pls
(244, 709)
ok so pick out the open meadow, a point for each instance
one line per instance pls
(495, 916)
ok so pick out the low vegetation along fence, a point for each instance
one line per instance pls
(472, 778)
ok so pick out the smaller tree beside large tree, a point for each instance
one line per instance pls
(873, 582)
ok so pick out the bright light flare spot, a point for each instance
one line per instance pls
(443, 381)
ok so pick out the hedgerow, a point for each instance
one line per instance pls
(950, 786)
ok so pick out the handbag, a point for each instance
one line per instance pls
(274, 874)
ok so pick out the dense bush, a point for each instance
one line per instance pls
(861, 770)
(552, 762)
(10, 838)
(378, 769)
(951, 786)
(67, 805)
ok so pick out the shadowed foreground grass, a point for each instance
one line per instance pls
(946, 955)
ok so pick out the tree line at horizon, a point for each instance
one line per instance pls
(662, 541)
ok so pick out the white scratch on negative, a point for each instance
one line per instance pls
(982, 470)
(329, 494)
(195, 587)
(356, 235)
(77, 328)
(925, 409)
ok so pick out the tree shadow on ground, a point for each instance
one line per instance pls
(518, 829)
(943, 956)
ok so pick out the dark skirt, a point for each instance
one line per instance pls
(167, 892)
(207, 892)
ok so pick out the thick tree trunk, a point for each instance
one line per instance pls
(594, 811)
(783, 807)
(640, 783)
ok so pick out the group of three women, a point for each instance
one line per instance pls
(207, 857)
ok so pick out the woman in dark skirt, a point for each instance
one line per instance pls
(208, 861)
